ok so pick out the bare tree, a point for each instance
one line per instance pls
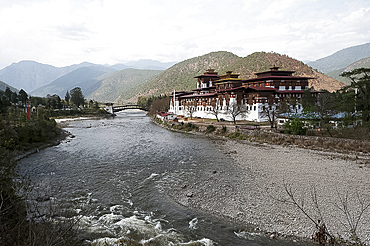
(216, 110)
(271, 112)
(351, 215)
(234, 110)
(191, 107)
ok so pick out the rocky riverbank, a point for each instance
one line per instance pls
(253, 189)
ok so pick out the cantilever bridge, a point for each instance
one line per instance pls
(113, 109)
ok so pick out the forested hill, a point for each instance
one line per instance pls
(122, 85)
(181, 75)
(262, 61)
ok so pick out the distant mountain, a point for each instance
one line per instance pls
(365, 62)
(84, 77)
(121, 85)
(29, 75)
(3, 86)
(181, 75)
(106, 84)
(149, 64)
(341, 59)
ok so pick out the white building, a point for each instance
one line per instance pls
(219, 95)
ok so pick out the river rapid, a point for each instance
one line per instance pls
(109, 177)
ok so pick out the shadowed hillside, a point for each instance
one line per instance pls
(84, 77)
(342, 58)
(3, 86)
(365, 62)
(121, 85)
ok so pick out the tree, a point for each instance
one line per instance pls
(234, 110)
(308, 101)
(360, 82)
(191, 107)
(270, 111)
(159, 105)
(215, 110)
(8, 94)
(294, 126)
(67, 98)
(77, 97)
(325, 107)
(23, 97)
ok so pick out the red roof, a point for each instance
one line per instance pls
(232, 89)
(199, 95)
(291, 91)
(207, 75)
(258, 88)
(277, 77)
(163, 114)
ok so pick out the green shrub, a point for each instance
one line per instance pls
(190, 127)
(238, 135)
(294, 126)
(224, 129)
(210, 128)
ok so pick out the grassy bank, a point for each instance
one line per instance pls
(20, 136)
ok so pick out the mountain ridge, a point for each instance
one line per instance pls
(341, 58)
(181, 75)
(31, 75)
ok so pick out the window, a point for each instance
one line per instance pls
(254, 108)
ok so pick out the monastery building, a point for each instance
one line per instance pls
(220, 96)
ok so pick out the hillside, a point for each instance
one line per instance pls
(122, 85)
(84, 77)
(3, 86)
(31, 75)
(342, 58)
(365, 62)
(262, 61)
(28, 75)
(181, 75)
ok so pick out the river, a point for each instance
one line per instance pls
(109, 177)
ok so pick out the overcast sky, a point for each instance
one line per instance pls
(66, 32)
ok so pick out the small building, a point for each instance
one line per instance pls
(165, 116)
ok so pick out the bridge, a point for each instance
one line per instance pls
(113, 109)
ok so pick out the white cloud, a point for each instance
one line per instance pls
(63, 32)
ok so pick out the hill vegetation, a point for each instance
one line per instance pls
(105, 84)
(181, 76)
(262, 61)
(121, 85)
(85, 78)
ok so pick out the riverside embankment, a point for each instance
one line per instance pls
(255, 191)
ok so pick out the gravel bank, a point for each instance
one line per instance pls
(248, 189)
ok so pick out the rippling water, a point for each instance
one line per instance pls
(109, 176)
